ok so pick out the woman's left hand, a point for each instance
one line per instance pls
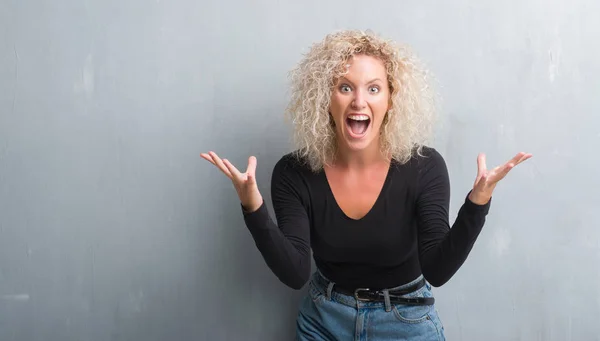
(487, 179)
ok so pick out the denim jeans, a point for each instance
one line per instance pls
(325, 314)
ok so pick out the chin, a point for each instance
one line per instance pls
(359, 145)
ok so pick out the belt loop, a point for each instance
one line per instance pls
(386, 298)
(329, 290)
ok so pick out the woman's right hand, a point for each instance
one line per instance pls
(244, 183)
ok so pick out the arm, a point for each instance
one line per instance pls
(285, 246)
(443, 250)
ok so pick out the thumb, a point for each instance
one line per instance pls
(251, 170)
(481, 162)
(481, 168)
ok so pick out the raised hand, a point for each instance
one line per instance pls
(487, 180)
(244, 183)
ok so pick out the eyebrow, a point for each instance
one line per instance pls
(371, 81)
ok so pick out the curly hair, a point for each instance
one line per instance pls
(407, 125)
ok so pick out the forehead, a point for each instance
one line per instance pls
(364, 66)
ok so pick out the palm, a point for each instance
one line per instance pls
(244, 183)
(487, 180)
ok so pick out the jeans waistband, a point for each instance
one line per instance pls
(327, 287)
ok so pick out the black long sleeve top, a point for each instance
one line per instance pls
(406, 233)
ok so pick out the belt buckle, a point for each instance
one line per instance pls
(357, 291)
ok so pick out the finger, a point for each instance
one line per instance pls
(500, 173)
(207, 158)
(219, 164)
(507, 169)
(502, 170)
(520, 157)
(234, 171)
(524, 158)
(516, 159)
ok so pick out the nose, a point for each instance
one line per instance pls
(359, 101)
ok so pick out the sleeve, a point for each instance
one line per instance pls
(443, 250)
(285, 246)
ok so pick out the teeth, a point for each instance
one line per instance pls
(358, 117)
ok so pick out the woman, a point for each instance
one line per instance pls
(365, 194)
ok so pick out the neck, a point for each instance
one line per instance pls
(360, 159)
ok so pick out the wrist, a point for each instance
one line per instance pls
(252, 206)
(479, 198)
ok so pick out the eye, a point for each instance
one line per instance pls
(374, 89)
(344, 88)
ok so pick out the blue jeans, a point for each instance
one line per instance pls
(325, 314)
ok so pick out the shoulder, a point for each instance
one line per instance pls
(291, 176)
(426, 158)
(291, 163)
(291, 169)
(429, 165)
(429, 154)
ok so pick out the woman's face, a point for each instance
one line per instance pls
(359, 103)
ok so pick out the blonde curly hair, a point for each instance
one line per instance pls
(407, 125)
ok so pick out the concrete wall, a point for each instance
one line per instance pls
(113, 228)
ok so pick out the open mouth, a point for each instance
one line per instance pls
(357, 125)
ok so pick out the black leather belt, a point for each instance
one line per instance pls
(368, 295)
